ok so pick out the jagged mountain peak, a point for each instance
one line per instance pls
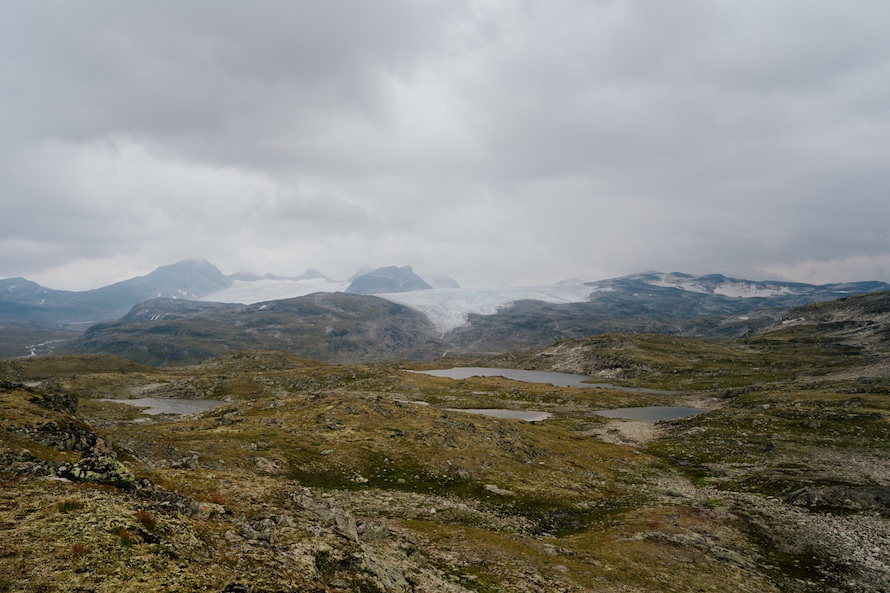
(192, 278)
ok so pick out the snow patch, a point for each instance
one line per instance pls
(687, 286)
(744, 290)
(747, 291)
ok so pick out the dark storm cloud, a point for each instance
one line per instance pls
(496, 141)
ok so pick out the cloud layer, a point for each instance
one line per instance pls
(500, 142)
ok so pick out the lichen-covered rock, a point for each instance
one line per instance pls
(173, 503)
(24, 463)
(390, 576)
(98, 466)
(262, 530)
(342, 520)
(59, 402)
(65, 435)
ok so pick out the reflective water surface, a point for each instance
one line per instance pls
(556, 379)
(651, 413)
(158, 405)
(527, 415)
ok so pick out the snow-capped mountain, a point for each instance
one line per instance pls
(469, 320)
(719, 285)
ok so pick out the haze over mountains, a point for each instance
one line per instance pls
(190, 311)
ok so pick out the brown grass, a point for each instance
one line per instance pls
(147, 520)
(81, 549)
(69, 504)
(127, 537)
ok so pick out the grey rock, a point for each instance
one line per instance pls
(98, 466)
(842, 497)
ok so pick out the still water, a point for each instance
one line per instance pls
(651, 413)
(555, 379)
(159, 405)
(527, 415)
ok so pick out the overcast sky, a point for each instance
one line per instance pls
(496, 141)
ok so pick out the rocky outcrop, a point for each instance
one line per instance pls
(849, 498)
(341, 520)
(59, 402)
(98, 466)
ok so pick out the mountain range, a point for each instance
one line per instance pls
(370, 477)
(190, 311)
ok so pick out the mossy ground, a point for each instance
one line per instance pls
(334, 478)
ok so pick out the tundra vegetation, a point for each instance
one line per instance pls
(318, 477)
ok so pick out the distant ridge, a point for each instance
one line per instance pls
(471, 321)
(389, 279)
(22, 300)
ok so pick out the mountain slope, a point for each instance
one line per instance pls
(189, 279)
(329, 327)
(677, 304)
(23, 300)
(861, 322)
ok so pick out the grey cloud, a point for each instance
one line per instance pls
(492, 140)
(208, 68)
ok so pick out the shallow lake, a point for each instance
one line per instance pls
(529, 416)
(651, 413)
(160, 405)
(555, 379)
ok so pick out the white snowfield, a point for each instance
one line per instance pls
(446, 308)
(248, 292)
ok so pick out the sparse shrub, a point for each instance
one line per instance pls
(127, 537)
(217, 498)
(69, 504)
(81, 549)
(146, 519)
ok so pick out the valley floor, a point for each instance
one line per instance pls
(327, 478)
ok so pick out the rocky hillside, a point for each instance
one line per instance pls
(334, 327)
(677, 304)
(861, 322)
(468, 322)
(370, 478)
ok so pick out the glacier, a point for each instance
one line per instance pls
(446, 308)
(248, 292)
(449, 308)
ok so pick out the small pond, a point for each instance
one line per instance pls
(527, 415)
(555, 379)
(651, 413)
(159, 405)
